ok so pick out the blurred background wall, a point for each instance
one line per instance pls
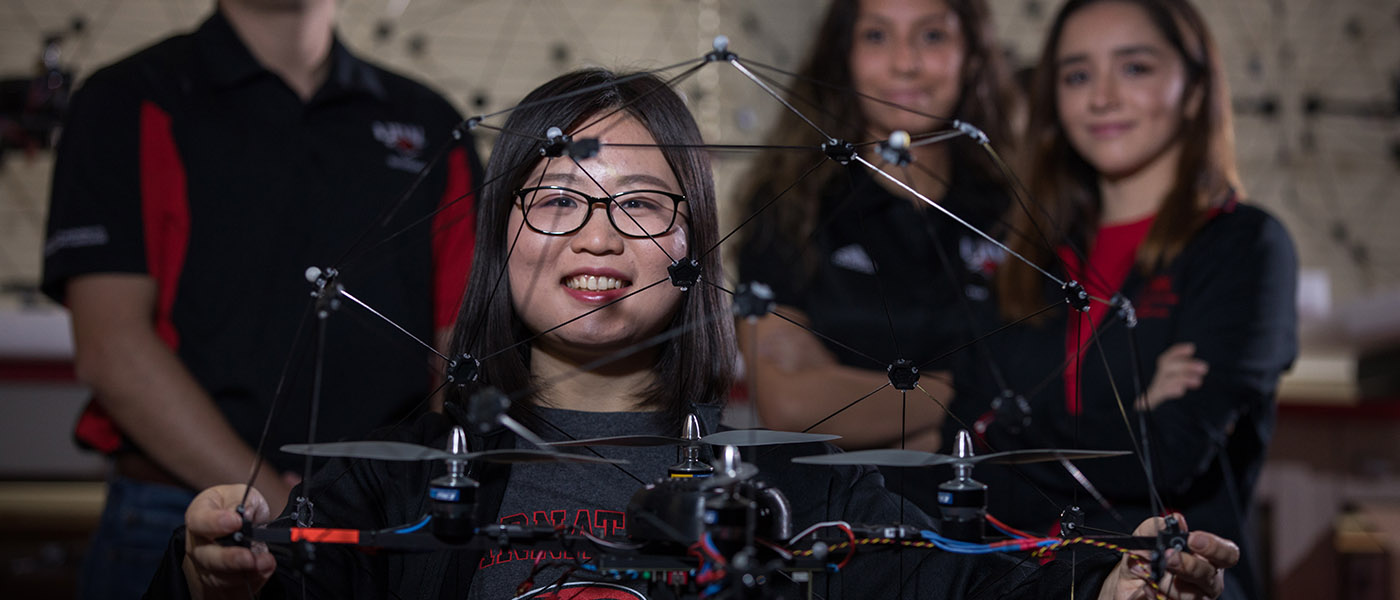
(1316, 86)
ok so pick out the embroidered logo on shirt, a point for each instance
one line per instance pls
(406, 141)
(853, 257)
(1156, 299)
(980, 256)
(76, 237)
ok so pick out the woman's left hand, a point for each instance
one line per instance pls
(1197, 575)
(1178, 372)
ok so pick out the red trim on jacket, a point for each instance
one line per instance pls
(1110, 259)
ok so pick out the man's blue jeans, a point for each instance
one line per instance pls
(131, 538)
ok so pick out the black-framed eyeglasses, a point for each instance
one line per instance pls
(555, 210)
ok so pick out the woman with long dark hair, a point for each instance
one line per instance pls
(878, 275)
(1134, 195)
(570, 295)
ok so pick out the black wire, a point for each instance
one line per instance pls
(500, 275)
(846, 89)
(667, 84)
(989, 334)
(1144, 411)
(278, 395)
(595, 181)
(765, 206)
(570, 321)
(392, 209)
(879, 285)
(590, 89)
(321, 317)
(352, 258)
(843, 409)
(1155, 499)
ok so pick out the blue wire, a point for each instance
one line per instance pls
(960, 547)
(416, 526)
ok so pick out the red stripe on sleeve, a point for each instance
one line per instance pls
(454, 235)
(166, 220)
(165, 212)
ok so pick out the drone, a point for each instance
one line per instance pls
(705, 524)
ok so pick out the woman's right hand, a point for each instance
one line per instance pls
(217, 571)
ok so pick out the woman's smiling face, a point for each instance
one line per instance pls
(909, 53)
(556, 278)
(1120, 88)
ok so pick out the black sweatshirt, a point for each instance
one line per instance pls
(1232, 293)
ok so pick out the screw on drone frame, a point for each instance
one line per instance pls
(895, 150)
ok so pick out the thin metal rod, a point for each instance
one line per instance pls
(376, 313)
(757, 81)
(945, 211)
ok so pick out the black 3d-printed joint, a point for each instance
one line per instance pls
(840, 151)
(584, 148)
(463, 370)
(753, 300)
(903, 375)
(1071, 522)
(1076, 296)
(685, 273)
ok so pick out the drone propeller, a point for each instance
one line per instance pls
(888, 457)
(623, 440)
(733, 437)
(369, 450)
(378, 450)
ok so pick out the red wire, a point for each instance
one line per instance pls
(1014, 531)
(851, 536)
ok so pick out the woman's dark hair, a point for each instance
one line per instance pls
(1064, 187)
(825, 92)
(696, 367)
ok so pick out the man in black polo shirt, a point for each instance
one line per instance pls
(196, 182)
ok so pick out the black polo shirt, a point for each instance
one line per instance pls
(883, 278)
(191, 163)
